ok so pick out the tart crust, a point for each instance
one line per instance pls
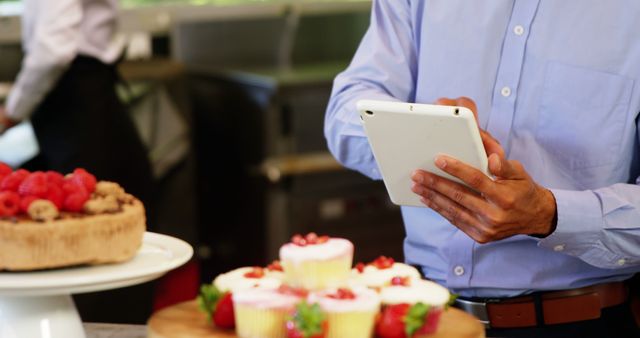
(89, 239)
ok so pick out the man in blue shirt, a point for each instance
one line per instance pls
(553, 86)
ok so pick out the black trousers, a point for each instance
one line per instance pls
(615, 321)
(82, 123)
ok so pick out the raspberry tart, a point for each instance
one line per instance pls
(315, 262)
(48, 220)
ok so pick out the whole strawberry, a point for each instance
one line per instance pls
(404, 320)
(217, 305)
(308, 321)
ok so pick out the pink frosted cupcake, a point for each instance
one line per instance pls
(261, 312)
(350, 312)
(316, 262)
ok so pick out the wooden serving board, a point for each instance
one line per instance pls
(184, 320)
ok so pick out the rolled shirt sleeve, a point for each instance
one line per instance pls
(600, 226)
(51, 44)
(383, 68)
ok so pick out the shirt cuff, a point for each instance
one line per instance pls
(18, 107)
(579, 223)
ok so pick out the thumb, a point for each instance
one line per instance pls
(501, 168)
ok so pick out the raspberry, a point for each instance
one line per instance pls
(5, 169)
(75, 202)
(13, 180)
(85, 178)
(54, 177)
(55, 195)
(9, 203)
(72, 186)
(34, 185)
(25, 202)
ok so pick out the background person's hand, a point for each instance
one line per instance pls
(5, 121)
(509, 205)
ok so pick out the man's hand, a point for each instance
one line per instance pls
(511, 204)
(5, 121)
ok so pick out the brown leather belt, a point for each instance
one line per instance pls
(546, 308)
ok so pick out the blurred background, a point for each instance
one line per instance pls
(229, 97)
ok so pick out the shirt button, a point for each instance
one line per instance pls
(558, 247)
(505, 91)
(518, 30)
(621, 261)
(458, 270)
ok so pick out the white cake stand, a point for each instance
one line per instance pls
(39, 304)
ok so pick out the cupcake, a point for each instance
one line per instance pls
(350, 312)
(261, 312)
(412, 306)
(215, 299)
(250, 277)
(380, 272)
(316, 262)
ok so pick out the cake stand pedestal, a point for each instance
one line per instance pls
(39, 305)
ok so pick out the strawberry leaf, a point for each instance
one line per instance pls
(308, 319)
(208, 299)
(415, 318)
(452, 300)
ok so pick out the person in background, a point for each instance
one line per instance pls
(66, 87)
(543, 249)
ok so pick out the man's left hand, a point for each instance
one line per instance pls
(511, 204)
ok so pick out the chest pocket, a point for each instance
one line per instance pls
(582, 115)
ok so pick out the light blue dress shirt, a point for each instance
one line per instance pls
(555, 83)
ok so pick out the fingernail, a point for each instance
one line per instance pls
(417, 177)
(441, 162)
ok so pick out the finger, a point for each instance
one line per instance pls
(504, 169)
(473, 177)
(454, 191)
(491, 145)
(445, 101)
(455, 220)
(464, 101)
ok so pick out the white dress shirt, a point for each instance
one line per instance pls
(54, 33)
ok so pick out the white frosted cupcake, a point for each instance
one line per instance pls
(314, 262)
(415, 291)
(380, 272)
(261, 313)
(350, 312)
(248, 277)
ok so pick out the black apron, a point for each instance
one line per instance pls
(82, 123)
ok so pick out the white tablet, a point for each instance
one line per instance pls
(408, 136)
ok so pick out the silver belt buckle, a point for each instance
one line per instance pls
(477, 309)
